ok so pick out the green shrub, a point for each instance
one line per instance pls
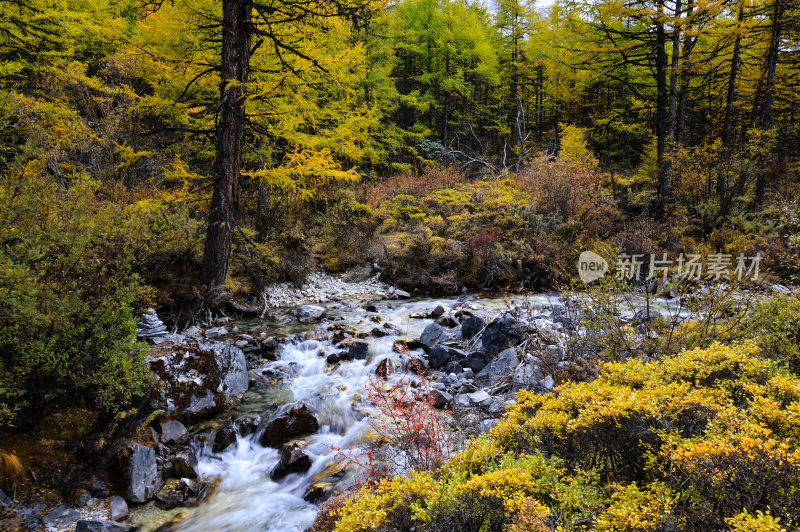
(777, 321)
(66, 314)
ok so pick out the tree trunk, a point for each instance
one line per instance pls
(661, 106)
(236, 15)
(769, 90)
(727, 130)
(688, 44)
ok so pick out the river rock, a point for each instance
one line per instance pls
(501, 367)
(199, 378)
(358, 351)
(293, 460)
(298, 422)
(438, 356)
(173, 494)
(102, 526)
(310, 313)
(173, 432)
(137, 468)
(99, 489)
(60, 517)
(150, 326)
(470, 326)
(441, 399)
(434, 334)
(476, 361)
(526, 377)
(185, 463)
(215, 332)
(224, 437)
(81, 498)
(500, 333)
(117, 507)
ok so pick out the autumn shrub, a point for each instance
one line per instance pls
(408, 433)
(702, 440)
(66, 319)
(776, 320)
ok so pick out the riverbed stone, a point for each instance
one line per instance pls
(470, 326)
(438, 356)
(293, 460)
(185, 463)
(139, 472)
(117, 508)
(173, 432)
(442, 399)
(310, 313)
(358, 351)
(61, 517)
(296, 423)
(102, 526)
(200, 378)
(435, 334)
(150, 326)
(501, 367)
(476, 361)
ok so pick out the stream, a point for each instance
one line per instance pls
(246, 499)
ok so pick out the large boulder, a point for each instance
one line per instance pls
(173, 432)
(293, 460)
(60, 517)
(117, 507)
(438, 356)
(358, 351)
(500, 333)
(471, 326)
(137, 470)
(297, 422)
(199, 378)
(435, 334)
(310, 313)
(501, 367)
(476, 361)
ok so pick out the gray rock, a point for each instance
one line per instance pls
(471, 326)
(118, 508)
(186, 464)
(487, 424)
(102, 526)
(479, 398)
(442, 399)
(547, 383)
(496, 407)
(150, 326)
(61, 517)
(358, 351)
(500, 333)
(401, 294)
(476, 361)
(82, 498)
(173, 432)
(215, 332)
(526, 376)
(140, 472)
(99, 489)
(297, 422)
(310, 313)
(199, 379)
(192, 331)
(434, 334)
(438, 356)
(461, 400)
(293, 460)
(498, 369)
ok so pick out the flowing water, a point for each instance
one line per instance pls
(245, 498)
